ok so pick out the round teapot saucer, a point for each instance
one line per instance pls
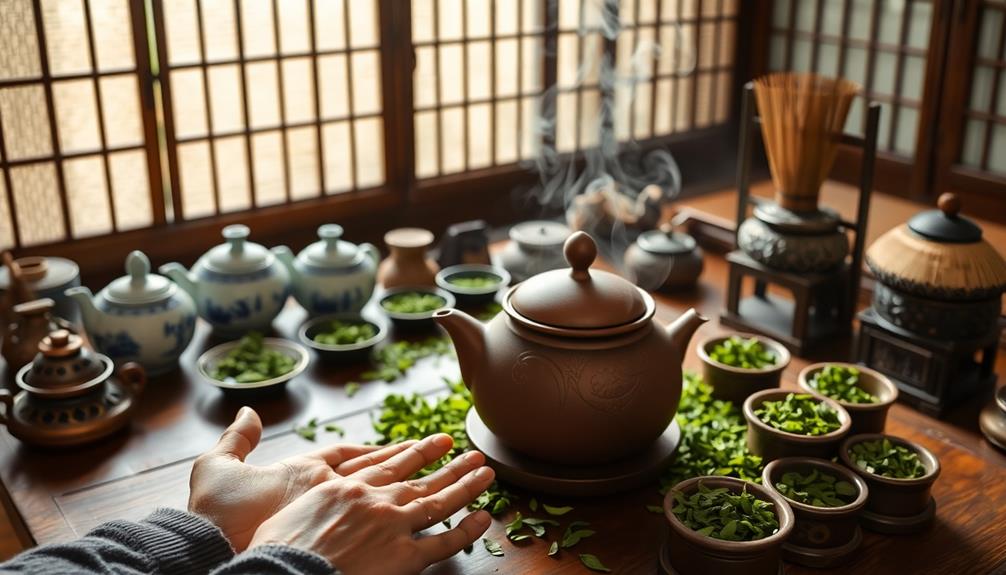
(578, 481)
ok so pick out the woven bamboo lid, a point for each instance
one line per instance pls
(939, 254)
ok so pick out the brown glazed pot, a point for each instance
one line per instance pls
(734, 383)
(407, 264)
(866, 417)
(896, 505)
(575, 370)
(689, 553)
(823, 537)
(771, 443)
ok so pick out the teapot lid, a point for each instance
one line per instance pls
(539, 233)
(666, 242)
(63, 367)
(237, 255)
(945, 225)
(139, 286)
(579, 298)
(330, 251)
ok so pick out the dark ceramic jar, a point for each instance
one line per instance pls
(687, 552)
(866, 417)
(664, 260)
(771, 443)
(736, 383)
(823, 537)
(896, 505)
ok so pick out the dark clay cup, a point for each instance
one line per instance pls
(688, 552)
(866, 417)
(771, 443)
(823, 537)
(896, 505)
(734, 383)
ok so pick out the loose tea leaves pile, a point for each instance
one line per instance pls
(723, 514)
(341, 332)
(842, 383)
(816, 488)
(713, 438)
(393, 360)
(251, 361)
(886, 458)
(474, 281)
(743, 353)
(800, 414)
(413, 302)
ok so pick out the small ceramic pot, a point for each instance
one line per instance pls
(734, 383)
(823, 537)
(896, 505)
(686, 551)
(771, 443)
(866, 417)
(472, 296)
(407, 264)
(416, 322)
(355, 352)
(660, 260)
(535, 247)
(47, 277)
(33, 322)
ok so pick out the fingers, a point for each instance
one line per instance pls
(443, 477)
(241, 437)
(402, 465)
(426, 511)
(370, 459)
(443, 545)
(336, 454)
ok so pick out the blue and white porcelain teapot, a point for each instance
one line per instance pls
(140, 317)
(238, 286)
(331, 275)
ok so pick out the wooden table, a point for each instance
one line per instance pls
(59, 495)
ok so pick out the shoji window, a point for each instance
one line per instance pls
(73, 137)
(984, 145)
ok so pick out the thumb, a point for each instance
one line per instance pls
(242, 436)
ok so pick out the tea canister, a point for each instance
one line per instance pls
(140, 317)
(664, 259)
(408, 264)
(238, 286)
(33, 321)
(70, 395)
(535, 247)
(331, 275)
(47, 277)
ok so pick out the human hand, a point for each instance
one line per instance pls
(238, 497)
(363, 523)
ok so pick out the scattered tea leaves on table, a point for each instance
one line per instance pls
(308, 431)
(842, 383)
(494, 548)
(723, 514)
(553, 549)
(533, 504)
(474, 281)
(574, 534)
(413, 302)
(655, 509)
(516, 525)
(816, 488)
(332, 428)
(339, 332)
(800, 414)
(351, 388)
(252, 361)
(593, 563)
(887, 458)
(556, 510)
(743, 353)
(394, 360)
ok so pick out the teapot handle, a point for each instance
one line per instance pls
(7, 399)
(133, 375)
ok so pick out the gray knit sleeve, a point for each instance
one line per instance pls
(276, 560)
(165, 543)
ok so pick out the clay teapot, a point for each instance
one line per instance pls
(576, 371)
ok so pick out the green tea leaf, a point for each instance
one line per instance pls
(593, 563)
(553, 549)
(556, 510)
(655, 509)
(494, 548)
(534, 504)
(351, 388)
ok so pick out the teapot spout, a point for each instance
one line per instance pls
(285, 257)
(682, 330)
(180, 276)
(88, 312)
(469, 337)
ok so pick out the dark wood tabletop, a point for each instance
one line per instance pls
(58, 495)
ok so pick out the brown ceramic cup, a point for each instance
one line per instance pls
(896, 505)
(735, 384)
(866, 417)
(823, 537)
(687, 551)
(771, 443)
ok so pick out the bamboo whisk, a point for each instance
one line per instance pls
(802, 118)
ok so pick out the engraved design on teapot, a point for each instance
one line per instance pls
(607, 389)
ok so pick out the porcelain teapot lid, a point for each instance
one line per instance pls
(666, 242)
(539, 234)
(63, 367)
(237, 255)
(139, 286)
(578, 298)
(330, 251)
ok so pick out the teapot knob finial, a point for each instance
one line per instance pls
(949, 204)
(236, 234)
(137, 266)
(580, 251)
(330, 233)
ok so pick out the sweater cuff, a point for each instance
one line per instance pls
(300, 561)
(180, 542)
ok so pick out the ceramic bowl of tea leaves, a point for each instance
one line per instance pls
(342, 337)
(782, 423)
(827, 500)
(411, 308)
(740, 364)
(473, 284)
(253, 365)
(900, 474)
(865, 393)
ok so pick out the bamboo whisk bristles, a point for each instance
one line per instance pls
(802, 119)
